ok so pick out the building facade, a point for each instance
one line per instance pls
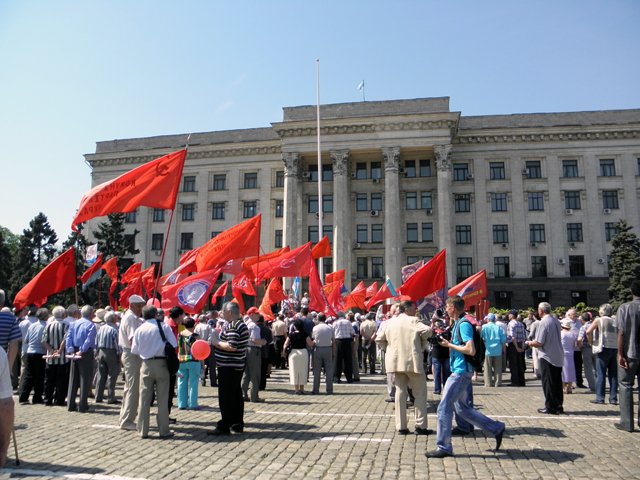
(531, 198)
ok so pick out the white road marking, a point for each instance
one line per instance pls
(21, 472)
(113, 427)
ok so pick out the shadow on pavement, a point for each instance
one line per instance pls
(552, 456)
(536, 431)
(592, 413)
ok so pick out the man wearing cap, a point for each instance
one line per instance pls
(81, 342)
(131, 362)
(516, 336)
(108, 362)
(494, 340)
(254, 357)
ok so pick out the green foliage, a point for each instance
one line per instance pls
(6, 259)
(624, 264)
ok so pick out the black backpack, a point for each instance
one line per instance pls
(476, 360)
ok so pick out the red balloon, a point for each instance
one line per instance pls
(200, 350)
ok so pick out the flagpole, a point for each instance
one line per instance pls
(320, 202)
(166, 237)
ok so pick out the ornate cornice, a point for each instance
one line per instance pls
(307, 131)
(546, 137)
(340, 160)
(391, 159)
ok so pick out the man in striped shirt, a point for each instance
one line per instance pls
(10, 335)
(56, 374)
(231, 352)
(108, 359)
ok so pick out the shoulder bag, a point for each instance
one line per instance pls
(170, 352)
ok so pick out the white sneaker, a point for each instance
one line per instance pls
(128, 426)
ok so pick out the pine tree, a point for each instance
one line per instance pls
(6, 260)
(624, 264)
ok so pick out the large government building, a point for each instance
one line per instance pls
(531, 198)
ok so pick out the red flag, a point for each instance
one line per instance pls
(427, 279)
(240, 241)
(220, 292)
(337, 276)
(371, 290)
(132, 273)
(356, 298)
(154, 184)
(380, 295)
(263, 263)
(133, 288)
(191, 293)
(232, 267)
(148, 278)
(333, 292)
(59, 275)
(321, 249)
(110, 267)
(89, 272)
(295, 263)
(186, 266)
(273, 294)
(472, 289)
(319, 301)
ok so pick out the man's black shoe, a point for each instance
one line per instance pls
(438, 454)
(615, 402)
(218, 433)
(598, 402)
(172, 420)
(423, 431)
(621, 427)
(499, 439)
(389, 400)
(560, 409)
(404, 431)
(548, 412)
(237, 428)
(582, 386)
(457, 432)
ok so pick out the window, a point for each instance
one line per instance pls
(362, 233)
(377, 267)
(362, 202)
(537, 233)
(130, 217)
(279, 179)
(217, 211)
(426, 201)
(462, 202)
(188, 212)
(220, 181)
(498, 202)
(536, 201)
(249, 208)
(279, 208)
(572, 200)
(463, 234)
(607, 167)
(251, 180)
(569, 168)
(186, 241)
(130, 241)
(538, 266)
(533, 169)
(312, 204)
(610, 199)
(215, 234)
(327, 203)
(574, 232)
(327, 173)
(327, 265)
(427, 232)
(327, 230)
(610, 231)
(460, 172)
(361, 267)
(189, 183)
(412, 232)
(411, 200)
(361, 170)
(312, 235)
(464, 268)
(312, 173)
(158, 215)
(411, 259)
(500, 234)
(410, 168)
(157, 241)
(576, 265)
(376, 233)
(376, 170)
(496, 171)
(376, 201)
(278, 239)
(425, 168)
(501, 267)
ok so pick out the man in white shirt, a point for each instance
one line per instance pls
(6, 407)
(148, 344)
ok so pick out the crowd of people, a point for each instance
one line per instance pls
(69, 355)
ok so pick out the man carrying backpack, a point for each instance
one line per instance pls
(454, 396)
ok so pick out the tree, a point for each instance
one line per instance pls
(624, 263)
(6, 260)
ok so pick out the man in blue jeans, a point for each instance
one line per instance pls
(456, 390)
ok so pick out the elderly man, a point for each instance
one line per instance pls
(367, 334)
(494, 340)
(254, 357)
(516, 336)
(56, 379)
(324, 347)
(10, 334)
(550, 359)
(628, 356)
(6, 407)
(108, 361)
(35, 364)
(404, 339)
(344, 341)
(81, 342)
(131, 362)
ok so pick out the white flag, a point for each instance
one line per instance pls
(361, 85)
(92, 254)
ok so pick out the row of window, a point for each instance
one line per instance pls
(501, 266)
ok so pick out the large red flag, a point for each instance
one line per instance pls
(89, 272)
(318, 301)
(59, 275)
(472, 289)
(132, 273)
(110, 267)
(242, 283)
(263, 263)
(133, 288)
(240, 241)
(356, 298)
(295, 263)
(154, 184)
(371, 290)
(432, 276)
(148, 278)
(220, 292)
(187, 265)
(274, 294)
(191, 293)
(382, 294)
(321, 249)
(337, 276)
(333, 292)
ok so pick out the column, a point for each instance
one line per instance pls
(393, 228)
(292, 199)
(342, 217)
(445, 200)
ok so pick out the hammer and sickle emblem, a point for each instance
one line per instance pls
(162, 169)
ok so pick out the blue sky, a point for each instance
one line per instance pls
(73, 73)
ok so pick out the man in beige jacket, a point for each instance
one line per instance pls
(404, 339)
